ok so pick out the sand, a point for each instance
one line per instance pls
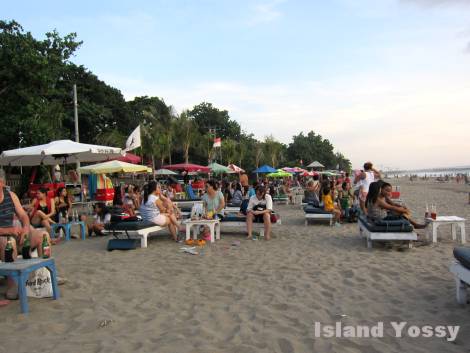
(256, 297)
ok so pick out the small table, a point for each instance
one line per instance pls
(20, 270)
(454, 221)
(213, 224)
(67, 228)
(298, 199)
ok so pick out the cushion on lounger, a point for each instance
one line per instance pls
(315, 210)
(185, 209)
(403, 226)
(130, 225)
(233, 218)
(462, 255)
(187, 200)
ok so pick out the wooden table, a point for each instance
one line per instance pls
(454, 221)
(213, 224)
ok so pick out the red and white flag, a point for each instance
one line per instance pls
(217, 142)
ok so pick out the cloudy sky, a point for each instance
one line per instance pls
(383, 80)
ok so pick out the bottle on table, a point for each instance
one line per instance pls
(46, 248)
(433, 212)
(9, 250)
(26, 250)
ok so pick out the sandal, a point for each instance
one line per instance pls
(4, 302)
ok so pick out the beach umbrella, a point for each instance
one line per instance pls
(235, 168)
(265, 169)
(165, 172)
(279, 174)
(114, 167)
(188, 167)
(58, 152)
(315, 164)
(129, 158)
(217, 168)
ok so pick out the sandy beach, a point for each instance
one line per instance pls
(256, 297)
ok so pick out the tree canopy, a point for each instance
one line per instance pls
(36, 106)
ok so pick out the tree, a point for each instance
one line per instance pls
(185, 132)
(208, 117)
(273, 151)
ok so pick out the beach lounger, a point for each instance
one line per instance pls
(239, 221)
(284, 199)
(461, 270)
(137, 228)
(396, 230)
(318, 214)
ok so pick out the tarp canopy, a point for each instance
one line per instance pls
(114, 167)
(265, 169)
(279, 174)
(59, 152)
(188, 167)
(217, 168)
(235, 168)
(315, 164)
(129, 158)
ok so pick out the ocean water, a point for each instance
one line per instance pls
(431, 172)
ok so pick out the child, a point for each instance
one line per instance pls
(329, 206)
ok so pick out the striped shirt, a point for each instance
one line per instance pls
(7, 210)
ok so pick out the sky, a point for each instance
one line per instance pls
(383, 80)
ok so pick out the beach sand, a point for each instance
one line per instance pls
(256, 297)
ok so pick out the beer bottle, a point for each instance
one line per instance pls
(9, 250)
(427, 214)
(46, 248)
(26, 250)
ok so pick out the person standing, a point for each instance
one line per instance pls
(367, 177)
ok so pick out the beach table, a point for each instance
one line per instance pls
(68, 228)
(213, 224)
(187, 203)
(20, 270)
(454, 221)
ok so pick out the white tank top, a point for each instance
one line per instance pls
(365, 183)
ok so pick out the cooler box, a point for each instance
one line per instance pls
(104, 195)
(395, 194)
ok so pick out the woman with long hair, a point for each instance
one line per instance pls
(153, 209)
(43, 210)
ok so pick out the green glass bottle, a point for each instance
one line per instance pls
(9, 250)
(26, 250)
(46, 248)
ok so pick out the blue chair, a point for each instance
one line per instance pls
(20, 270)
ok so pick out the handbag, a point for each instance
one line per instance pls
(39, 284)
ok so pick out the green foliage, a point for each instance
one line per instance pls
(36, 106)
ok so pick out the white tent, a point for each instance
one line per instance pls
(315, 164)
(59, 152)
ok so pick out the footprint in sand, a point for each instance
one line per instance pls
(285, 345)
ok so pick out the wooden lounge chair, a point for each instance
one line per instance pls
(461, 270)
(386, 231)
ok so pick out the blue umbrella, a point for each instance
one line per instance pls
(265, 169)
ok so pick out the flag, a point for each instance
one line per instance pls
(217, 142)
(133, 141)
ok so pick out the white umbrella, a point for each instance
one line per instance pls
(59, 152)
(165, 172)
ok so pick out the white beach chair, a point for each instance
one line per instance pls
(461, 270)
(385, 236)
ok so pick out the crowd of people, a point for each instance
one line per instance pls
(344, 197)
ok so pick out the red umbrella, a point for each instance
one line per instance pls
(188, 167)
(129, 158)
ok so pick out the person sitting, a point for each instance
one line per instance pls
(329, 205)
(379, 209)
(129, 204)
(14, 222)
(286, 191)
(237, 197)
(260, 207)
(62, 204)
(101, 217)
(153, 209)
(346, 198)
(213, 199)
(311, 193)
(42, 210)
